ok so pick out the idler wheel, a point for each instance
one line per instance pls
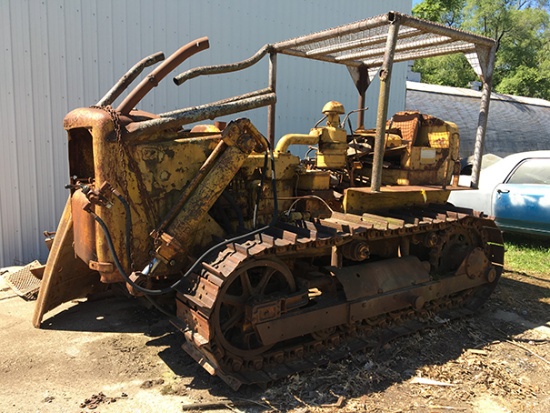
(250, 283)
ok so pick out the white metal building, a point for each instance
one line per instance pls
(58, 55)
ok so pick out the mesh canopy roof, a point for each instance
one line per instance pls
(363, 43)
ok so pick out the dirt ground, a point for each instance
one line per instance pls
(114, 355)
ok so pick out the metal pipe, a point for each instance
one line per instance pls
(383, 99)
(179, 118)
(271, 108)
(238, 98)
(295, 139)
(482, 120)
(252, 94)
(128, 78)
(160, 72)
(217, 69)
(360, 111)
(323, 58)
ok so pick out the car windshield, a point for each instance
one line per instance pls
(531, 171)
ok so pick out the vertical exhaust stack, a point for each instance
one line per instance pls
(153, 79)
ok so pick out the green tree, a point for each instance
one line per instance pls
(448, 12)
(451, 70)
(521, 29)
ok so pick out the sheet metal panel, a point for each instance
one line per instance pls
(9, 211)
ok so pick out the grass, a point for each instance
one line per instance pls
(527, 254)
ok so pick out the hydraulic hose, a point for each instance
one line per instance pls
(128, 225)
(169, 289)
(259, 192)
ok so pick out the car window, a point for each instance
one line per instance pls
(531, 171)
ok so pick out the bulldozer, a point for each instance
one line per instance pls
(270, 263)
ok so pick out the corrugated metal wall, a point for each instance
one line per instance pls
(58, 55)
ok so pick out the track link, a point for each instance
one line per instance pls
(201, 303)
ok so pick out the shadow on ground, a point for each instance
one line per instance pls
(108, 312)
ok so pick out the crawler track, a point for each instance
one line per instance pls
(261, 280)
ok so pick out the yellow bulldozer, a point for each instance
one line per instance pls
(267, 262)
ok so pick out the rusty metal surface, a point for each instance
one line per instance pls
(128, 78)
(66, 277)
(24, 282)
(179, 118)
(383, 101)
(365, 280)
(240, 138)
(204, 169)
(83, 228)
(271, 109)
(227, 68)
(482, 120)
(394, 299)
(265, 302)
(419, 149)
(363, 199)
(160, 72)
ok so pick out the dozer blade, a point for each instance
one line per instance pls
(66, 277)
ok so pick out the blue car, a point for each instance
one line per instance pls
(515, 190)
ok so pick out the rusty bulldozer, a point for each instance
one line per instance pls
(270, 264)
